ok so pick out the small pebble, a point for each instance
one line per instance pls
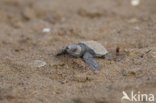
(135, 2)
(46, 30)
(137, 28)
(133, 20)
(37, 63)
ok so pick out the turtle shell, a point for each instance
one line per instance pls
(96, 47)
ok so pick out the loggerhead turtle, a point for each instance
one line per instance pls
(88, 50)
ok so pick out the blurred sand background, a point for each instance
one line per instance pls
(64, 79)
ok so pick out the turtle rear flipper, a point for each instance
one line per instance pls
(117, 57)
(91, 62)
(62, 51)
(108, 57)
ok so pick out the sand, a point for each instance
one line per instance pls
(30, 71)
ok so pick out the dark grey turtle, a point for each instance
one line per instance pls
(88, 50)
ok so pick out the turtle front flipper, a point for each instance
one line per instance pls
(91, 62)
(62, 51)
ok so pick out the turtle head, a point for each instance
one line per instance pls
(74, 50)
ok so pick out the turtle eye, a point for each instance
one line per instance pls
(74, 49)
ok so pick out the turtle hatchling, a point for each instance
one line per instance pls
(88, 50)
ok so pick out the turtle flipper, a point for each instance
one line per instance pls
(89, 59)
(62, 51)
(108, 57)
